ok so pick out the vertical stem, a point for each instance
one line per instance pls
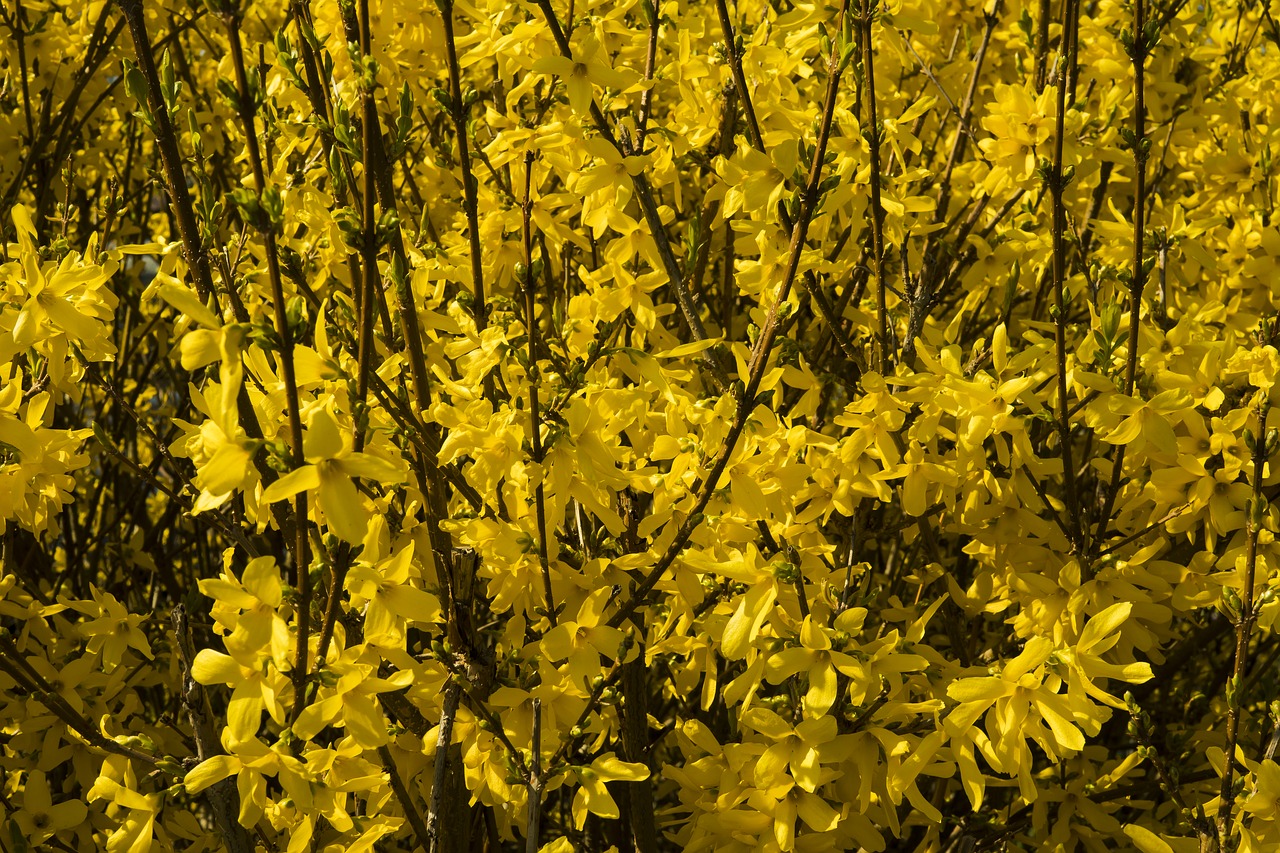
(444, 743)
(375, 161)
(728, 283)
(635, 744)
(458, 113)
(533, 830)
(337, 579)
(1071, 38)
(739, 76)
(1042, 45)
(369, 241)
(1138, 274)
(301, 560)
(19, 27)
(728, 121)
(361, 281)
(1057, 187)
(1235, 687)
(528, 281)
(192, 247)
(877, 208)
(653, 9)
(810, 284)
(966, 109)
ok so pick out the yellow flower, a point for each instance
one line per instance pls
(1147, 424)
(352, 700)
(1020, 123)
(918, 478)
(333, 466)
(745, 623)
(37, 478)
(112, 629)
(611, 177)
(754, 181)
(1099, 635)
(66, 679)
(583, 641)
(65, 298)
(1201, 382)
(255, 688)
(383, 583)
(784, 803)
(1220, 492)
(593, 796)
(1023, 694)
(815, 657)
(803, 749)
(39, 818)
(1264, 802)
(252, 762)
(250, 609)
(1260, 363)
(587, 68)
(118, 784)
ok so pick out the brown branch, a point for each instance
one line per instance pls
(1257, 510)
(444, 743)
(470, 202)
(533, 827)
(811, 286)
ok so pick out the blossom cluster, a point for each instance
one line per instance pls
(641, 425)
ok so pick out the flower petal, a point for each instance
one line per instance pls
(304, 479)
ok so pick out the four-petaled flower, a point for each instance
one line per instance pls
(588, 66)
(332, 467)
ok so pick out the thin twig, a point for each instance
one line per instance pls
(458, 110)
(533, 827)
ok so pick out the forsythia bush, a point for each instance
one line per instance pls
(639, 425)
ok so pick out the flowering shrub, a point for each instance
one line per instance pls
(648, 425)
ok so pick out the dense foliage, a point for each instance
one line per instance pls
(639, 424)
